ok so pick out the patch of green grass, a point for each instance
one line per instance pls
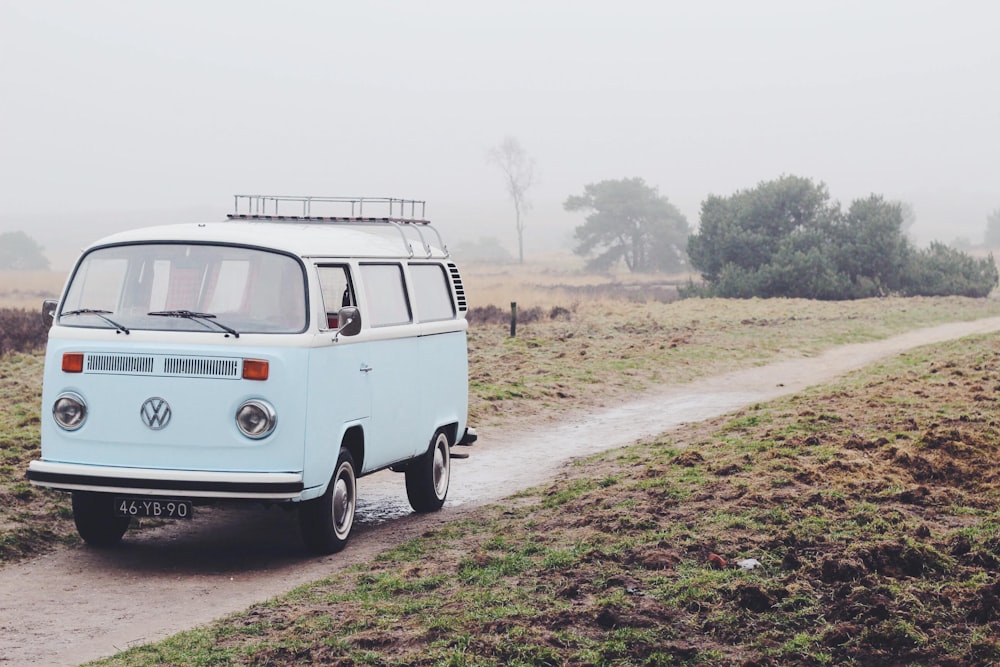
(567, 493)
(804, 648)
(490, 570)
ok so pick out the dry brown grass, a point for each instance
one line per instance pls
(27, 289)
(561, 282)
(599, 350)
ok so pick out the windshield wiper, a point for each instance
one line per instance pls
(99, 313)
(191, 315)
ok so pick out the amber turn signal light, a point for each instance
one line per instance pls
(72, 362)
(255, 369)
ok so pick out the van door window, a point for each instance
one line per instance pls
(335, 287)
(432, 293)
(385, 294)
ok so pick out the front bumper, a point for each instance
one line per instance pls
(175, 483)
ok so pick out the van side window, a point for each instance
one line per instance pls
(385, 294)
(335, 285)
(432, 294)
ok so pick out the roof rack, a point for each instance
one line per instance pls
(393, 212)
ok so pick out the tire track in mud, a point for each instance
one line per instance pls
(78, 604)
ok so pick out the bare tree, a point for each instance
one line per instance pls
(519, 175)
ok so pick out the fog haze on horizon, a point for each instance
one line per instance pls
(110, 107)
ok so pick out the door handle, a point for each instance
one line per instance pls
(365, 368)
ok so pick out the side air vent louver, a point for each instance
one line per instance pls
(456, 280)
(119, 364)
(202, 367)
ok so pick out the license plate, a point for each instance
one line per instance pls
(158, 508)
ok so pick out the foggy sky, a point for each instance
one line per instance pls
(122, 111)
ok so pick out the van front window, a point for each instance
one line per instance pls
(187, 287)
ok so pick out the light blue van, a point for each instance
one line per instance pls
(269, 357)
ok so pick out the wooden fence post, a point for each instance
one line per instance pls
(513, 319)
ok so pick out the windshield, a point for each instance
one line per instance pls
(210, 288)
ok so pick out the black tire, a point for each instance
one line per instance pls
(427, 477)
(326, 522)
(96, 522)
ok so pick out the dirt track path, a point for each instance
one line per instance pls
(75, 605)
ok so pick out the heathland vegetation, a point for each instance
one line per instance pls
(853, 524)
(871, 505)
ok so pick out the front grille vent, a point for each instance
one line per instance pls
(160, 365)
(202, 367)
(456, 280)
(120, 364)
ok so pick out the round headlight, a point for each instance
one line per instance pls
(70, 411)
(256, 419)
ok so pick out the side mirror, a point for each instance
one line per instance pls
(350, 321)
(49, 311)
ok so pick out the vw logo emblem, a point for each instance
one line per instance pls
(155, 413)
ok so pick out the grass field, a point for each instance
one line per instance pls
(872, 506)
(560, 284)
(596, 353)
(868, 507)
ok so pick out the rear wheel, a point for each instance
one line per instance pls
(427, 477)
(95, 518)
(326, 522)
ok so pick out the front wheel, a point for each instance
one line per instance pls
(326, 522)
(427, 477)
(95, 518)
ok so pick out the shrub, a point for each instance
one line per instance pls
(942, 271)
(785, 238)
(21, 330)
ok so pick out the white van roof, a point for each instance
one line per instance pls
(302, 238)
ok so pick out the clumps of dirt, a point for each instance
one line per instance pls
(688, 458)
(753, 597)
(983, 604)
(907, 513)
(658, 556)
(945, 455)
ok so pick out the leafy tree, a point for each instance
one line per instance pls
(992, 237)
(629, 221)
(785, 238)
(746, 229)
(519, 175)
(20, 252)
(868, 245)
